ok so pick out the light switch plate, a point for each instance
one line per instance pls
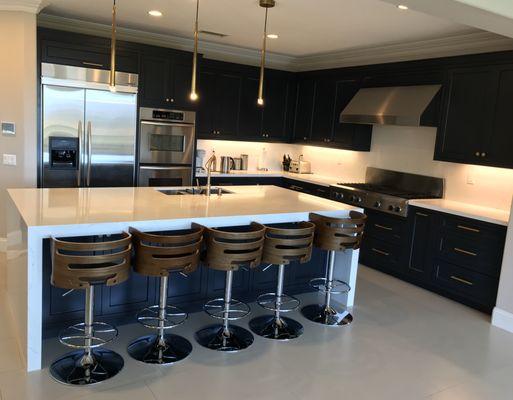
(8, 128)
(9, 159)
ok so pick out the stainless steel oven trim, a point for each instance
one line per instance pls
(146, 122)
(160, 168)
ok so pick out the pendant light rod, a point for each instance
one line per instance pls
(194, 94)
(266, 4)
(112, 77)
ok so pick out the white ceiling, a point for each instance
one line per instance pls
(305, 27)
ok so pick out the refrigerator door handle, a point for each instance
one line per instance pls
(89, 153)
(80, 151)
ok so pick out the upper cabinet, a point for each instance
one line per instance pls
(319, 104)
(165, 80)
(478, 115)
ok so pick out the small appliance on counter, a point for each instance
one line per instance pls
(245, 162)
(227, 164)
(286, 162)
(300, 166)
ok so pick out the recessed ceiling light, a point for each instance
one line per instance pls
(402, 7)
(272, 36)
(155, 13)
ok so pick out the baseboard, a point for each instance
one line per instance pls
(3, 245)
(502, 319)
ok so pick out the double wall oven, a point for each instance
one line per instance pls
(166, 147)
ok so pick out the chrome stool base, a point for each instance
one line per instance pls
(213, 337)
(269, 327)
(148, 349)
(68, 369)
(326, 315)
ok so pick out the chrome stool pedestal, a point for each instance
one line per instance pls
(88, 365)
(277, 326)
(160, 348)
(226, 337)
(325, 313)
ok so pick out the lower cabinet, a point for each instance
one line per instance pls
(457, 257)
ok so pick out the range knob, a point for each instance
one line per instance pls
(352, 198)
(398, 209)
(359, 199)
(377, 204)
(391, 208)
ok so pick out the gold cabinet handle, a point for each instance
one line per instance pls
(461, 280)
(422, 214)
(466, 252)
(466, 228)
(383, 253)
(387, 228)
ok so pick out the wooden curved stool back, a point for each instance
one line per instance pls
(339, 234)
(230, 248)
(78, 265)
(161, 254)
(288, 242)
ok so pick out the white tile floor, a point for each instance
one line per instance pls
(405, 343)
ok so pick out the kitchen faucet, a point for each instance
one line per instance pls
(208, 166)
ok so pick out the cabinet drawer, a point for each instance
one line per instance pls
(386, 228)
(470, 284)
(482, 256)
(382, 255)
(472, 229)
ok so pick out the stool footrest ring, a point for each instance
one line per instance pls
(269, 301)
(76, 338)
(337, 286)
(236, 310)
(149, 317)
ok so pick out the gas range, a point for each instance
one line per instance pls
(388, 191)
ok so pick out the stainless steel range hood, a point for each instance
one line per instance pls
(399, 105)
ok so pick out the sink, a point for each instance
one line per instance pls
(193, 191)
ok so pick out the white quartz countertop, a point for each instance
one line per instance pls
(55, 207)
(310, 178)
(486, 214)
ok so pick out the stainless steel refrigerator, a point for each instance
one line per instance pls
(88, 131)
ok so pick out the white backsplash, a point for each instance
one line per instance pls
(397, 148)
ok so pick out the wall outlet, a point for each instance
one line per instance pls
(9, 159)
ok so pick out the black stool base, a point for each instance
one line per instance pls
(68, 369)
(326, 316)
(148, 350)
(284, 329)
(212, 338)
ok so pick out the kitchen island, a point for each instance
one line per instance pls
(35, 215)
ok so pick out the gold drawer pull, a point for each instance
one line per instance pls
(466, 228)
(468, 253)
(383, 253)
(383, 227)
(422, 214)
(92, 64)
(461, 280)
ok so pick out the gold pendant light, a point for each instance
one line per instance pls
(265, 4)
(194, 94)
(112, 77)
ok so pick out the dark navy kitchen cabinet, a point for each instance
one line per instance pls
(130, 296)
(304, 111)
(274, 122)
(423, 244)
(323, 111)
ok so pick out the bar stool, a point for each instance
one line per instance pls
(333, 234)
(159, 255)
(77, 265)
(283, 244)
(229, 249)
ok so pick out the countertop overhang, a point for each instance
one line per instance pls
(77, 206)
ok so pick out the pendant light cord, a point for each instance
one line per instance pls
(194, 95)
(112, 80)
(262, 63)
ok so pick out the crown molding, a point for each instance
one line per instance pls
(469, 42)
(29, 6)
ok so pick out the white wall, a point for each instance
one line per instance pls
(18, 103)
(397, 148)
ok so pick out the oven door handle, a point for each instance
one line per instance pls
(147, 167)
(166, 123)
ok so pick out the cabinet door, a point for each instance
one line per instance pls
(154, 81)
(304, 111)
(227, 99)
(500, 142)
(324, 110)
(275, 109)
(420, 264)
(468, 116)
(180, 85)
(250, 122)
(349, 136)
(206, 105)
